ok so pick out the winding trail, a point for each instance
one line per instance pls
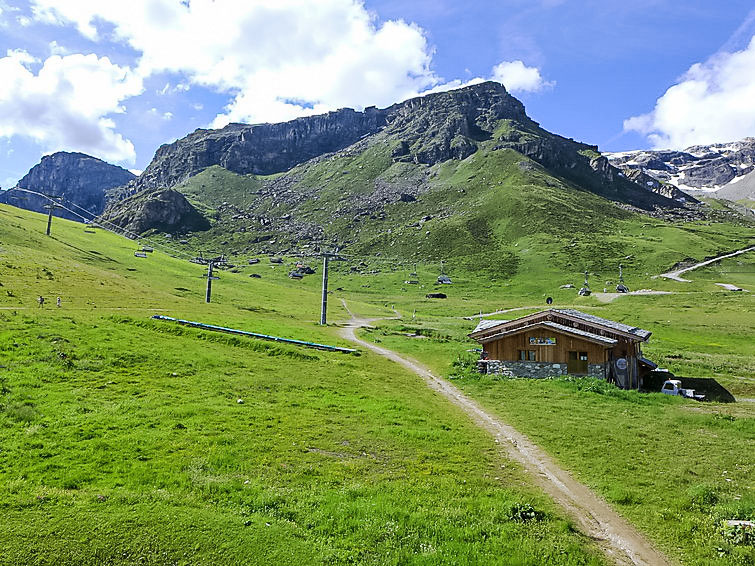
(502, 311)
(675, 275)
(619, 540)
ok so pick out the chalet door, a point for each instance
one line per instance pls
(577, 364)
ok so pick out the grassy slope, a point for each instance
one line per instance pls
(123, 441)
(495, 213)
(676, 468)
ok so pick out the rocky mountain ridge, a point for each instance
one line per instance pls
(80, 179)
(697, 169)
(423, 131)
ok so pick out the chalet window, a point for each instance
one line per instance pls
(527, 355)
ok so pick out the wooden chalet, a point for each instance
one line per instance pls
(564, 341)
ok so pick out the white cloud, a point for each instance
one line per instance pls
(518, 77)
(155, 113)
(514, 75)
(277, 61)
(711, 103)
(66, 104)
(57, 49)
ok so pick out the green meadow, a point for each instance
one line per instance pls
(126, 440)
(678, 469)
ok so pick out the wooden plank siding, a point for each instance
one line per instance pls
(507, 348)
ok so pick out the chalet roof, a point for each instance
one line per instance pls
(597, 325)
(554, 325)
(639, 332)
(485, 324)
(643, 360)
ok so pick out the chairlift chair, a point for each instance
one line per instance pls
(443, 279)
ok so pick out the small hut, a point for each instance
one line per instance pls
(564, 341)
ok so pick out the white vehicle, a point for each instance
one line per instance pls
(674, 387)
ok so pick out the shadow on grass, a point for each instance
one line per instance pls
(712, 390)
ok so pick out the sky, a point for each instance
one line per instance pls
(117, 79)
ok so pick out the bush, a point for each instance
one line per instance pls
(702, 496)
(524, 513)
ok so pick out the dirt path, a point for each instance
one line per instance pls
(620, 541)
(484, 314)
(675, 275)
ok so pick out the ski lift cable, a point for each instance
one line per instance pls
(118, 230)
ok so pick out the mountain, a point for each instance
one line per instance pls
(334, 178)
(80, 179)
(698, 169)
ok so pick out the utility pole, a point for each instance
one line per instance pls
(324, 307)
(210, 277)
(326, 257)
(51, 206)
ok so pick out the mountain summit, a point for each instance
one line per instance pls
(423, 131)
(431, 128)
(81, 179)
(725, 170)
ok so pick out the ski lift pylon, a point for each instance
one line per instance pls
(621, 287)
(585, 290)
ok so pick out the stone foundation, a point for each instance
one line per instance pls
(534, 369)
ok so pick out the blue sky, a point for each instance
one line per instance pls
(116, 80)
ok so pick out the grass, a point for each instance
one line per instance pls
(675, 468)
(124, 441)
(349, 459)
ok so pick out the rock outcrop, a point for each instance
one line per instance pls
(82, 181)
(165, 210)
(428, 129)
(448, 125)
(261, 149)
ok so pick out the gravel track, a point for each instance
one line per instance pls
(622, 543)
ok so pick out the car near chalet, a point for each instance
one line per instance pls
(564, 342)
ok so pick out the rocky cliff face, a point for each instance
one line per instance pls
(428, 129)
(705, 168)
(260, 149)
(449, 125)
(80, 179)
(165, 210)
(422, 131)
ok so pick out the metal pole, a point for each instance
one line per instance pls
(49, 218)
(209, 283)
(324, 310)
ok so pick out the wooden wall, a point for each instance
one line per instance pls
(507, 348)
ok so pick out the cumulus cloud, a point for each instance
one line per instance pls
(518, 77)
(67, 103)
(276, 61)
(514, 75)
(711, 103)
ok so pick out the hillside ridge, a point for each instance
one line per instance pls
(82, 180)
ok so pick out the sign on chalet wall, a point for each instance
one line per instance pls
(538, 341)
